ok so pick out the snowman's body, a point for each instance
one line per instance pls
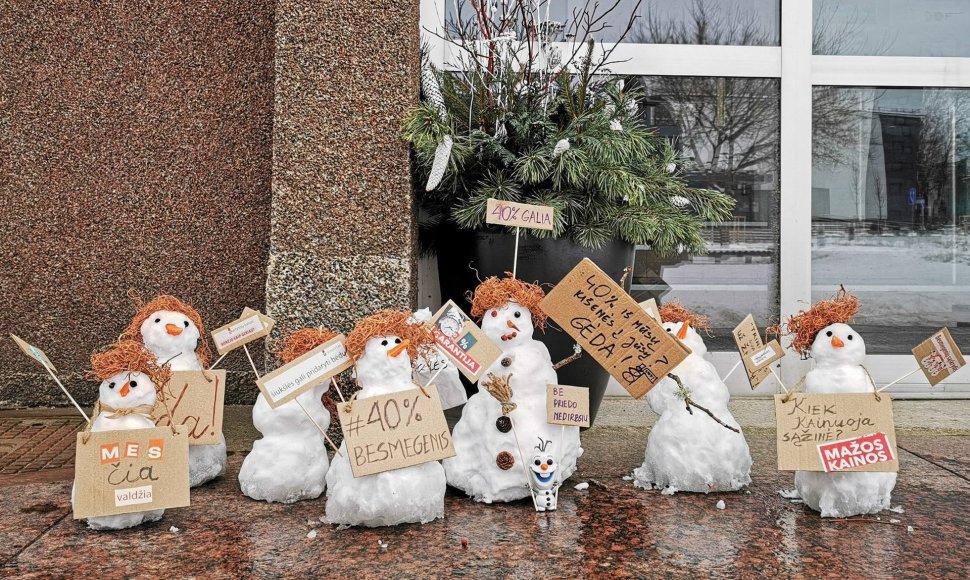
(172, 337)
(124, 391)
(479, 442)
(407, 495)
(289, 463)
(690, 451)
(838, 352)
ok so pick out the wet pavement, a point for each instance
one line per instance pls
(610, 529)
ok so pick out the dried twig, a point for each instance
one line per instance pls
(684, 394)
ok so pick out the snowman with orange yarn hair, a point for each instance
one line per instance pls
(499, 425)
(687, 450)
(173, 331)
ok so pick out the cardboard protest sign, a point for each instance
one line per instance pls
(567, 405)
(119, 472)
(247, 328)
(303, 373)
(33, 352)
(939, 356)
(196, 400)
(522, 215)
(650, 307)
(613, 328)
(463, 341)
(836, 432)
(755, 355)
(395, 430)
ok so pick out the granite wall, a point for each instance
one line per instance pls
(135, 152)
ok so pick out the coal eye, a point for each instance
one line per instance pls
(186, 324)
(549, 461)
(494, 313)
(157, 320)
(849, 337)
(133, 384)
(397, 341)
(518, 314)
(111, 385)
(538, 462)
(383, 343)
(829, 333)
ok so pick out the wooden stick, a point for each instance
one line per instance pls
(515, 257)
(528, 481)
(777, 378)
(63, 388)
(897, 380)
(731, 372)
(333, 380)
(218, 360)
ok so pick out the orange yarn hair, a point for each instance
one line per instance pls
(300, 342)
(495, 292)
(167, 302)
(675, 312)
(387, 323)
(803, 327)
(128, 356)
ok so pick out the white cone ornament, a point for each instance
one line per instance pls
(384, 346)
(691, 451)
(289, 463)
(126, 398)
(441, 156)
(838, 352)
(173, 331)
(450, 388)
(561, 147)
(432, 90)
(489, 464)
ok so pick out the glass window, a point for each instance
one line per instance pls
(891, 210)
(727, 130)
(723, 22)
(892, 27)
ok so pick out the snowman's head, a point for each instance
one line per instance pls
(128, 389)
(385, 344)
(542, 469)
(838, 344)
(508, 325)
(387, 356)
(686, 334)
(169, 327)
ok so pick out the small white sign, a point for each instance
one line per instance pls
(762, 356)
(301, 374)
(133, 495)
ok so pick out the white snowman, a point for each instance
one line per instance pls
(488, 465)
(545, 482)
(384, 347)
(289, 463)
(172, 331)
(690, 451)
(126, 399)
(838, 352)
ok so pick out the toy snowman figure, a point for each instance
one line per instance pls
(289, 463)
(545, 484)
(823, 334)
(126, 397)
(450, 388)
(172, 331)
(488, 461)
(688, 450)
(384, 346)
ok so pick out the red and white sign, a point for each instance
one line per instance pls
(855, 452)
(457, 354)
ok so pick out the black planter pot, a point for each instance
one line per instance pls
(545, 261)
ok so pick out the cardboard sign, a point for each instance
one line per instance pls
(394, 431)
(522, 215)
(247, 328)
(463, 341)
(939, 356)
(815, 426)
(650, 307)
(33, 352)
(613, 328)
(303, 373)
(567, 405)
(196, 400)
(120, 472)
(755, 355)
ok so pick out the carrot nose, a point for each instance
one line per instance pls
(682, 333)
(511, 324)
(125, 389)
(544, 467)
(398, 349)
(173, 329)
(837, 342)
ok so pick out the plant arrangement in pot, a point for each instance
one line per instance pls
(527, 111)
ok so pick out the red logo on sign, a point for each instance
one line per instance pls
(855, 452)
(455, 351)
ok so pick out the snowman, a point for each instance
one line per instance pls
(126, 397)
(690, 451)
(172, 331)
(542, 471)
(434, 364)
(289, 463)
(384, 346)
(823, 334)
(489, 465)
